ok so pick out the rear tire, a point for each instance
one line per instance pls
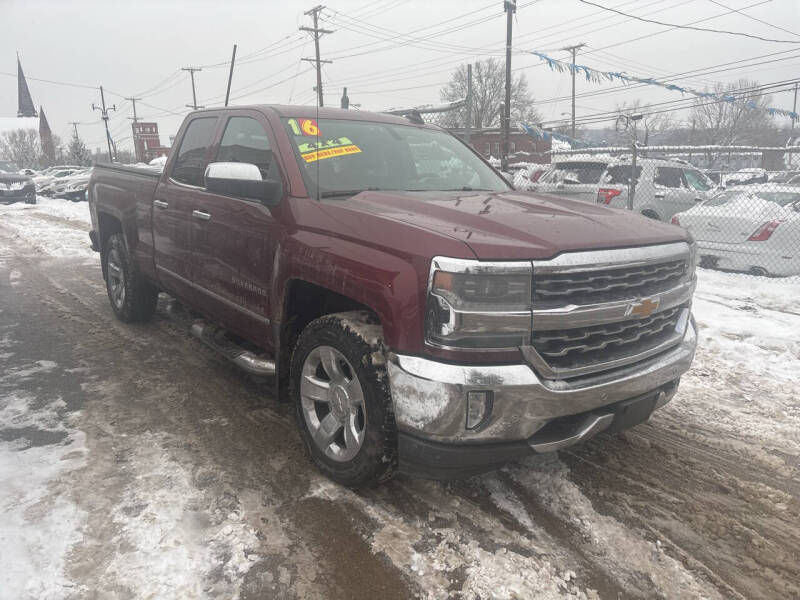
(650, 215)
(132, 298)
(343, 407)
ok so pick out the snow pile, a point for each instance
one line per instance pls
(171, 543)
(54, 227)
(38, 523)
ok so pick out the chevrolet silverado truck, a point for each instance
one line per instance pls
(421, 315)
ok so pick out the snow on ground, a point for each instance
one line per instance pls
(53, 227)
(749, 336)
(38, 449)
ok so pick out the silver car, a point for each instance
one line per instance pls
(754, 229)
(576, 179)
(663, 187)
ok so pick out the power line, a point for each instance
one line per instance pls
(739, 33)
(744, 14)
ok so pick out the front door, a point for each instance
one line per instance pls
(234, 239)
(172, 207)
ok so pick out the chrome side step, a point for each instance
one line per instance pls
(591, 426)
(215, 339)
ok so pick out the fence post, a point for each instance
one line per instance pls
(632, 186)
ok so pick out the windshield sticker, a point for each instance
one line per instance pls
(341, 146)
(304, 127)
(331, 153)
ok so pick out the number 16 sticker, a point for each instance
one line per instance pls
(304, 127)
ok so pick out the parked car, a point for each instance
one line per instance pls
(782, 176)
(746, 177)
(15, 187)
(754, 230)
(576, 179)
(72, 187)
(663, 187)
(47, 182)
(418, 312)
(794, 180)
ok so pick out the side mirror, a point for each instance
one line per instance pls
(241, 180)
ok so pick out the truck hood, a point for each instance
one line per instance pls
(516, 225)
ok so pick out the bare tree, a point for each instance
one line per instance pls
(488, 93)
(22, 147)
(651, 124)
(743, 121)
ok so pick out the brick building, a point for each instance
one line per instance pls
(488, 142)
(146, 141)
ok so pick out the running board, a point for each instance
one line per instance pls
(215, 338)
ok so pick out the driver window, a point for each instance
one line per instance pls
(245, 140)
(669, 177)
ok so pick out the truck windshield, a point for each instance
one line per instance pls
(340, 157)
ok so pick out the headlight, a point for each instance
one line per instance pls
(692, 266)
(478, 305)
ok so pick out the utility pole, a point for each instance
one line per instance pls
(794, 107)
(135, 119)
(691, 139)
(192, 71)
(345, 102)
(104, 114)
(75, 126)
(468, 127)
(134, 129)
(230, 76)
(314, 12)
(574, 49)
(510, 6)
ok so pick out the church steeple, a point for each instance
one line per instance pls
(25, 102)
(46, 138)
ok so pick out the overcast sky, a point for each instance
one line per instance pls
(138, 47)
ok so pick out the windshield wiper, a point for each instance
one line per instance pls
(334, 193)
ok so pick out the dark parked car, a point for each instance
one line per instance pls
(15, 187)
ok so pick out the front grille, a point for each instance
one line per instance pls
(589, 287)
(586, 346)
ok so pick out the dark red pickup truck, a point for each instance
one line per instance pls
(418, 312)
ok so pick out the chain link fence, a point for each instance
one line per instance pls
(741, 203)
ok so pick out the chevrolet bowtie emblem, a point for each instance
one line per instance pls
(642, 309)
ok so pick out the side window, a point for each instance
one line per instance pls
(191, 161)
(245, 140)
(697, 180)
(669, 177)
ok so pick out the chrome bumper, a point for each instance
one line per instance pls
(430, 398)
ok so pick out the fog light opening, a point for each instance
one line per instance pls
(479, 407)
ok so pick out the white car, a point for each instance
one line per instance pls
(754, 230)
(576, 179)
(72, 186)
(46, 182)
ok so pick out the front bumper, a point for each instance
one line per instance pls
(9, 197)
(529, 414)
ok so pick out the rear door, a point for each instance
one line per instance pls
(672, 194)
(172, 205)
(234, 239)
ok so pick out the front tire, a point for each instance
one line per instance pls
(132, 298)
(343, 408)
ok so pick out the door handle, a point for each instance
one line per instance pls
(160, 204)
(199, 214)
